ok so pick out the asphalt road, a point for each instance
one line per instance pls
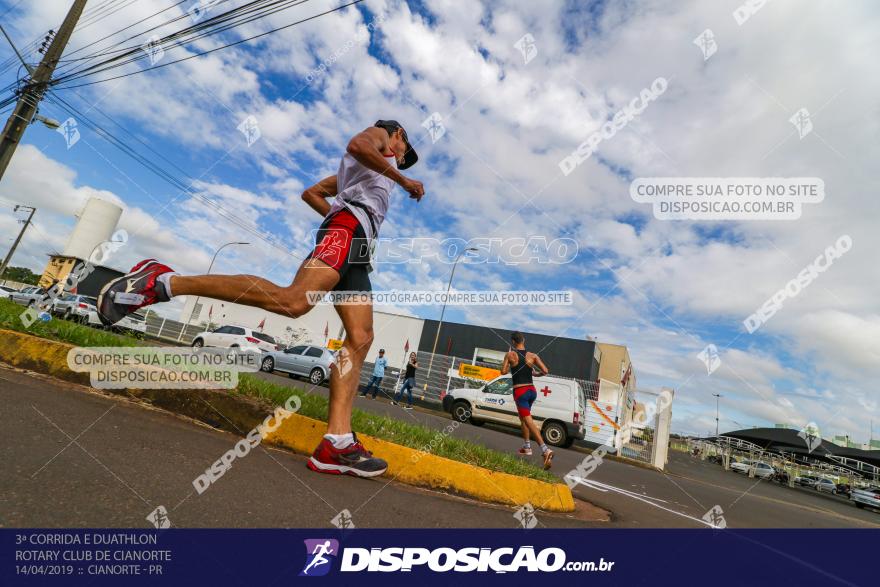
(128, 459)
(75, 458)
(641, 497)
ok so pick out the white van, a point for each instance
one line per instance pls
(559, 409)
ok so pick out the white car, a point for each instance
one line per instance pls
(134, 322)
(235, 337)
(762, 470)
(559, 409)
(6, 292)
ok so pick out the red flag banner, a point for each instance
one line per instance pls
(262, 323)
(406, 347)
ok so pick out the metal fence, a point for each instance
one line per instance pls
(171, 330)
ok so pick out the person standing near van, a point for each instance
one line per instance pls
(521, 364)
(409, 379)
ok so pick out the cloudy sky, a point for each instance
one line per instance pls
(664, 288)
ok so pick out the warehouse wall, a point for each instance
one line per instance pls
(567, 357)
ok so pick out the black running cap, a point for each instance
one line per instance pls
(410, 157)
(381, 350)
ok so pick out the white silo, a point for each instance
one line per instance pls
(95, 224)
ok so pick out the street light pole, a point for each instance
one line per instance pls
(717, 398)
(17, 240)
(209, 272)
(443, 311)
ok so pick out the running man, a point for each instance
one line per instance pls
(319, 552)
(340, 262)
(520, 364)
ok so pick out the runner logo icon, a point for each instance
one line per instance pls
(320, 553)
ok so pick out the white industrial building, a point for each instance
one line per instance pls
(392, 331)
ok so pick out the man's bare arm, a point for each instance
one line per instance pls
(537, 361)
(317, 195)
(367, 148)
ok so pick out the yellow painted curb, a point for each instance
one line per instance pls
(38, 354)
(408, 465)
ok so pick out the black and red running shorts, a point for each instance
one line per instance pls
(342, 244)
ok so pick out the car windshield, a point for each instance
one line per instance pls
(264, 337)
(89, 300)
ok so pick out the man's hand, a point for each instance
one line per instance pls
(414, 187)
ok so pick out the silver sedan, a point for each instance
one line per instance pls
(303, 361)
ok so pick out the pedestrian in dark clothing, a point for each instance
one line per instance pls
(409, 379)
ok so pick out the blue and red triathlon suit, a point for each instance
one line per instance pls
(524, 393)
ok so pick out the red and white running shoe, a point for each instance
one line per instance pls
(354, 459)
(139, 288)
(525, 451)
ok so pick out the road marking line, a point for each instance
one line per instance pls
(643, 499)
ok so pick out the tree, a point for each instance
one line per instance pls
(21, 274)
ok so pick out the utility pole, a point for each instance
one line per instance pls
(33, 91)
(18, 240)
(717, 398)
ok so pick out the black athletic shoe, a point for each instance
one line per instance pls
(139, 288)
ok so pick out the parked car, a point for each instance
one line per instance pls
(6, 292)
(866, 496)
(561, 406)
(806, 480)
(827, 486)
(29, 296)
(74, 307)
(135, 322)
(235, 337)
(762, 470)
(303, 360)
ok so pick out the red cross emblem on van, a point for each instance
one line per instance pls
(546, 391)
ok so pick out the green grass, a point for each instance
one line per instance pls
(59, 329)
(440, 443)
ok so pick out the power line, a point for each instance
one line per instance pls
(229, 16)
(72, 65)
(67, 58)
(87, 72)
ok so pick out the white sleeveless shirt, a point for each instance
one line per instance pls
(357, 183)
